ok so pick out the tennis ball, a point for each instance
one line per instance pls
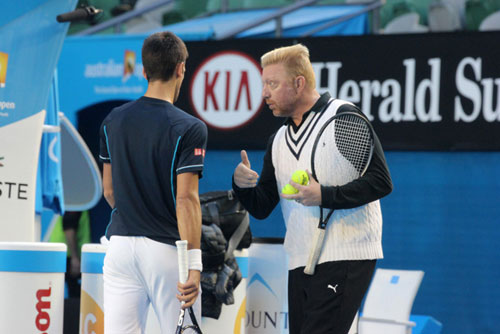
(300, 176)
(288, 189)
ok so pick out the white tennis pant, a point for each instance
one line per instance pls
(138, 271)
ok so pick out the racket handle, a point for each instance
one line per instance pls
(182, 258)
(315, 251)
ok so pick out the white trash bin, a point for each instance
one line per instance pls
(91, 299)
(32, 287)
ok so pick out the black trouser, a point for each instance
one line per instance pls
(73, 282)
(327, 302)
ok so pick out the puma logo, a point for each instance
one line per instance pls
(334, 288)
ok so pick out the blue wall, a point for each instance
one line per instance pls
(441, 218)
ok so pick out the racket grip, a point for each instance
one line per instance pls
(182, 258)
(315, 251)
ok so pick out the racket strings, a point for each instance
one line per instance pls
(190, 330)
(354, 141)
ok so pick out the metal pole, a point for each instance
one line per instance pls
(271, 16)
(279, 27)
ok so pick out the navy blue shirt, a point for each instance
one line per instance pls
(148, 142)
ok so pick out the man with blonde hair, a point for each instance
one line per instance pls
(327, 301)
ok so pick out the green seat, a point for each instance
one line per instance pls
(190, 8)
(105, 6)
(393, 9)
(216, 5)
(475, 12)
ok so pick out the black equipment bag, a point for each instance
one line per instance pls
(225, 228)
(222, 208)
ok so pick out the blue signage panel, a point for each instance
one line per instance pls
(31, 43)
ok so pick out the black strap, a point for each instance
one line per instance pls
(235, 239)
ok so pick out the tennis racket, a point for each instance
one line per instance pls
(341, 153)
(182, 257)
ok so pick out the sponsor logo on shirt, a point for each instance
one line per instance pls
(199, 151)
(1, 164)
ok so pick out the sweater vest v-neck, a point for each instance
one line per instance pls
(351, 234)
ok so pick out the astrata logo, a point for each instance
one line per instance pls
(42, 320)
(226, 90)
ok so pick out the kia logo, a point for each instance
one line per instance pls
(226, 90)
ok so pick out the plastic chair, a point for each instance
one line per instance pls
(148, 21)
(491, 22)
(475, 12)
(406, 23)
(389, 302)
(354, 326)
(444, 16)
(393, 9)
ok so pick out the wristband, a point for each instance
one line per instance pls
(194, 259)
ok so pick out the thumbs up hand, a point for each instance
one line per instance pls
(244, 176)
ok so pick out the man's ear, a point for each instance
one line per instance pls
(179, 69)
(300, 82)
(144, 73)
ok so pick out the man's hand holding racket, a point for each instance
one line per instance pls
(189, 291)
(244, 176)
(308, 195)
(189, 281)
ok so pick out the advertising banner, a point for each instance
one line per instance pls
(421, 91)
(18, 164)
(435, 91)
(31, 44)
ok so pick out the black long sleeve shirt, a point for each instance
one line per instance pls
(374, 184)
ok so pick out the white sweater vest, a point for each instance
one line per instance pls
(351, 234)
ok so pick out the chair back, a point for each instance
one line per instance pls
(444, 16)
(405, 23)
(491, 22)
(389, 301)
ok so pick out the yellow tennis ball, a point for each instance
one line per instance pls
(288, 189)
(300, 177)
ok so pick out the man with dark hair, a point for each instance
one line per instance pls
(152, 154)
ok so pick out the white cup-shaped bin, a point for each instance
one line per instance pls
(32, 287)
(91, 300)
